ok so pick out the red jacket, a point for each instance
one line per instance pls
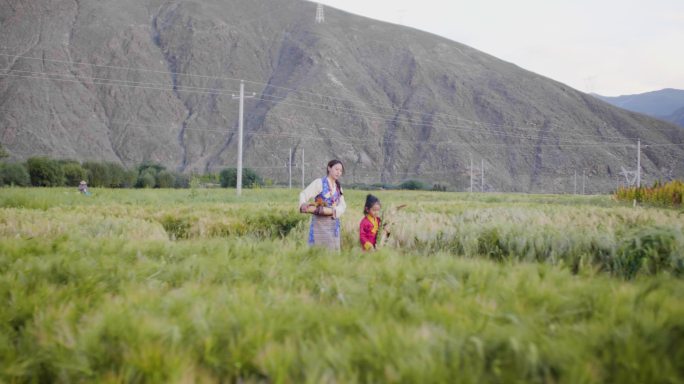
(368, 230)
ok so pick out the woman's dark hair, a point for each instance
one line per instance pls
(331, 164)
(370, 202)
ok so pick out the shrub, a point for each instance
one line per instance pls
(181, 180)
(130, 177)
(73, 173)
(209, 178)
(45, 172)
(153, 167)
(98, 174)
(150, 171)
(412, 185)
(14, 174)
(109, 175)
(228, 177)
(386, 186)
(164, 179)
(146, 180)
(250, 178)
(117, 175)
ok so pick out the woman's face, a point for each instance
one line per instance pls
(375, 210)
(335, 171)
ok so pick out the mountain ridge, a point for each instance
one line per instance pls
(660, 104)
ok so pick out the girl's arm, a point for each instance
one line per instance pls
(365, 234)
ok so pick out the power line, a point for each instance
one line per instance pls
(267, 98)
(333, 38)
(113, 81)
(324, 36)
(370, 142)
(127, 83)
(350, 138)
(214, 91)
(143, 69)
(284, 88)
(105, 83)
(110, 121)
(558, 144)
(447, 143)
(663, 145)
(196, 89)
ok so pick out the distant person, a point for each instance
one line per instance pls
(83, 188)
(327, 207)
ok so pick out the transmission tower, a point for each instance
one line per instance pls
(634, 177)
(320, 15)
(630, 176)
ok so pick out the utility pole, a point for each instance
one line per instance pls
(240, 124)
(302, 167)
(481, 175)
(574, 191)
(583, 180)
(471, 173)
(638, 163)
(289, 167)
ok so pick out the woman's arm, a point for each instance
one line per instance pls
(310, 192)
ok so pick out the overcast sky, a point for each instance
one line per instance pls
(611, 47)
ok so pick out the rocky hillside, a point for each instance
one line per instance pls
(152, 80)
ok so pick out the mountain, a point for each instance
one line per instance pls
(153, 80)
(657, 103)
(677, 117)
(666, 104)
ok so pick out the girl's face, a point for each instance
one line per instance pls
(335, 171)
(375, 210)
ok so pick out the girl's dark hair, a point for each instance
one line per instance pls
(331, 164)
(370, 202)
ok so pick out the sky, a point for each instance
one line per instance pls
(609, 47)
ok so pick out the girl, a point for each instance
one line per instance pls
(329, 206)
(370, 224)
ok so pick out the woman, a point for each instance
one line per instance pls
(328, 207)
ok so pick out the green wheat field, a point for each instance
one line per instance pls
(199, 286)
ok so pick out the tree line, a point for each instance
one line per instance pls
(46, 172)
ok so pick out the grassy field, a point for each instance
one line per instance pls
(200, 286)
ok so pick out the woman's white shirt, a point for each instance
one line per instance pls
(314, 189)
